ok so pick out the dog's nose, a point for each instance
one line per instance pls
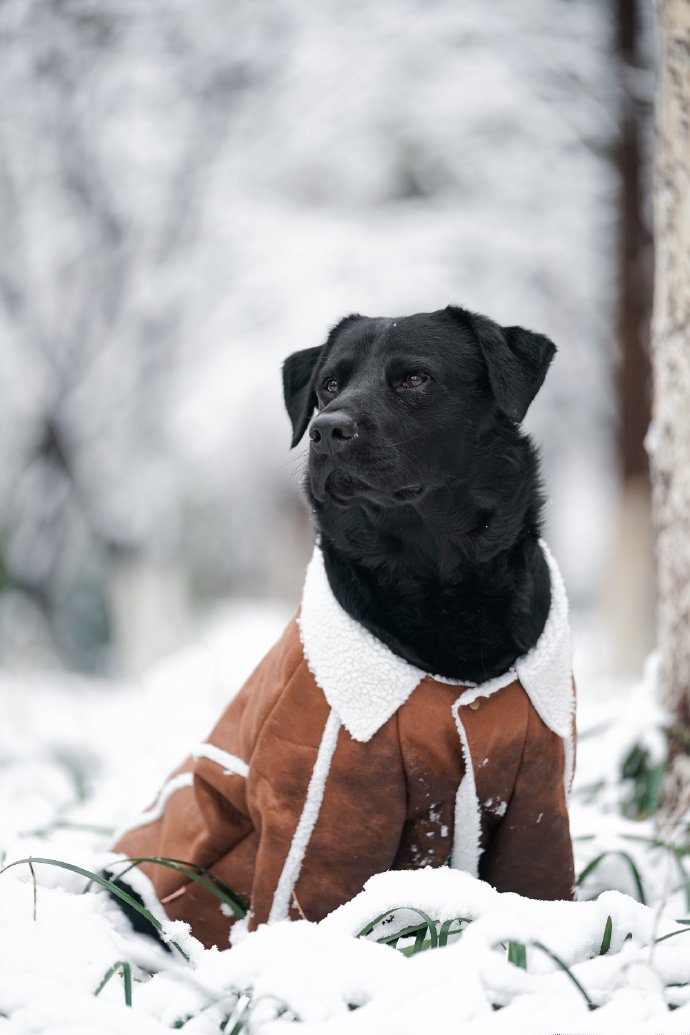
(331, 431)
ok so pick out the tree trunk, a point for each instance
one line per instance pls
(628, 597)
(670, 435)
(634, 246)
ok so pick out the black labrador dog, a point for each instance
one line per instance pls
(425, 490)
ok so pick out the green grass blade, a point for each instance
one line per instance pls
(433, 933)
(96, 878)
(239, 1027)
(443, 933)
(209, 881)
(517, 954)
(377, 920)
(126, 977)
(678, 852)
(438, 933)
(446, 929)
(566, 970)
(240, 1016)
(672, 934)
(107, 976)
(606, 940)
(412, 950)
(591, 867)
(431, 924)
(406, 932)
(684, 877)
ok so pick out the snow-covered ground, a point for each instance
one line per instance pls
(81, 755)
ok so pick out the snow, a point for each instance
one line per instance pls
(82, 756)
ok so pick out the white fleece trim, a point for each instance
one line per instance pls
(569, 768)
(546, 670)
(310, 813)
(177, 783)
(467, 832)
(231, 764)
(475, 691)
(365, 682)
(361, 678)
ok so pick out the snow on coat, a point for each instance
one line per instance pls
(338, 759)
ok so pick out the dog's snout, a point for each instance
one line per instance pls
(330, 431)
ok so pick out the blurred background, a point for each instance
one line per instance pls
(190, 192)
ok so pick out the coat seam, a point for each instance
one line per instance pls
(530, 709)
(269, 714)
(518, 768)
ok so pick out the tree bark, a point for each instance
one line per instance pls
(628, 597)
(634, 247)
(670, 434)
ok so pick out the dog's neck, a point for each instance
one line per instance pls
(456, 586)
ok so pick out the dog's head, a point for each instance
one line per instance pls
(408, 406)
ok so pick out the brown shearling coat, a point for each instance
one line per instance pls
(389, 800)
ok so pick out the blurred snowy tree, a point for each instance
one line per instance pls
(112, 116)
(191, 192)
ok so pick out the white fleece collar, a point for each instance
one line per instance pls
(365, 682)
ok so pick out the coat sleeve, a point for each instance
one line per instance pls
(323, 814)
(530, 852)
(202, 814)
(200, 823)
(245, 806)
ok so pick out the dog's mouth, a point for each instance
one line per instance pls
(409, 492)
(344, 489)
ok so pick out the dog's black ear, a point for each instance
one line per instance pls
(299, 379)
(298, 389)
(517, 361)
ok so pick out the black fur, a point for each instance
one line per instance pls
(139, 922)
(428, 516)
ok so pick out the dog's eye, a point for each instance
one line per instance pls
(415, 380)
(330, 385)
